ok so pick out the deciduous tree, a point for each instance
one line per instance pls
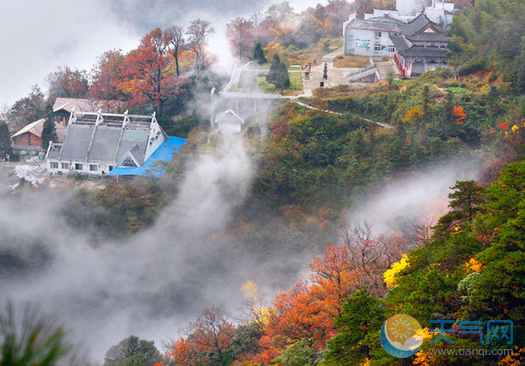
(132, 351)
(147, 72)
(207, 339)
(28, 109)
(67, 83)
(177, 43)
(198, 32)
(239, 33)
(107, 74)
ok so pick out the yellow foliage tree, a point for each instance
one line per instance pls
(413, 114)
(390, 274)
(473, 265)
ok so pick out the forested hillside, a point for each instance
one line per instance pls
(272, 217)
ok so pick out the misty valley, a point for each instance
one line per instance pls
(333, 184)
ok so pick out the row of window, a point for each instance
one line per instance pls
(379, 47)
(379, 34)
(77, 166)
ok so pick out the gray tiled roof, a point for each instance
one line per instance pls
(76, 143)
(399, 43)
(419, 24)
(381, 24)
(107, 140)
(425, 52)
(429, 37)
(104, 144)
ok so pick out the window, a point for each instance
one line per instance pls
(128, 162)
(378, 34)
(79, 166)
(93, 167)
(65, 165)
(53, 165)
(377, 47)
(111, 167)
(391, 48)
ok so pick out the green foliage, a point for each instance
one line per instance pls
(132, 351)
(301, 353)
(118, 209)
(28, 109)
(315, 159)
(456, 90)
(48, 133)
(440, 282)
(35, 340)
(490, 36)
(246, 339)
(258, 54)
(5, 141)
(359, 325)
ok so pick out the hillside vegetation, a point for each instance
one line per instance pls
(311, 168)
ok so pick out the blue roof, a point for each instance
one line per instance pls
(150, 168)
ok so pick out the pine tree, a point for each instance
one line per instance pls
(426, 104)
(5, 141)
(48, 133)
(283, 78)
(272, 74)
(258, 54)
(278, 74)
(325, 71)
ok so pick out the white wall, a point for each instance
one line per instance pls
(361, 42)
(155, 139)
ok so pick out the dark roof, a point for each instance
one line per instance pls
(426, 37)
(425, 52)
(386, 24)
(419, 24)
(399, 43)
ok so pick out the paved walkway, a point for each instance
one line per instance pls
(336, 75)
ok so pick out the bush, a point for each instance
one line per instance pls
(471, 67)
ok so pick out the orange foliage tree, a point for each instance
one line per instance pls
(460, 115)
(309, 310)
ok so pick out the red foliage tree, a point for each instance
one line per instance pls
(147, 72)
(211, 333)
(106, 76)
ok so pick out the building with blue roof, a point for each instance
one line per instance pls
(113, 144)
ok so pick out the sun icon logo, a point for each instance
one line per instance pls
(400, 329)
(399, 336)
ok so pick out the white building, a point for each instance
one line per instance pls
(371, 36)
(229, 122)
(95, 143)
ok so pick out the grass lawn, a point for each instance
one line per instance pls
(351, 61)
(296, 85)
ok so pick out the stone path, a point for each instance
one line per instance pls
(336, 75)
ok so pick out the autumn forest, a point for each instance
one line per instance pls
(293, 242)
